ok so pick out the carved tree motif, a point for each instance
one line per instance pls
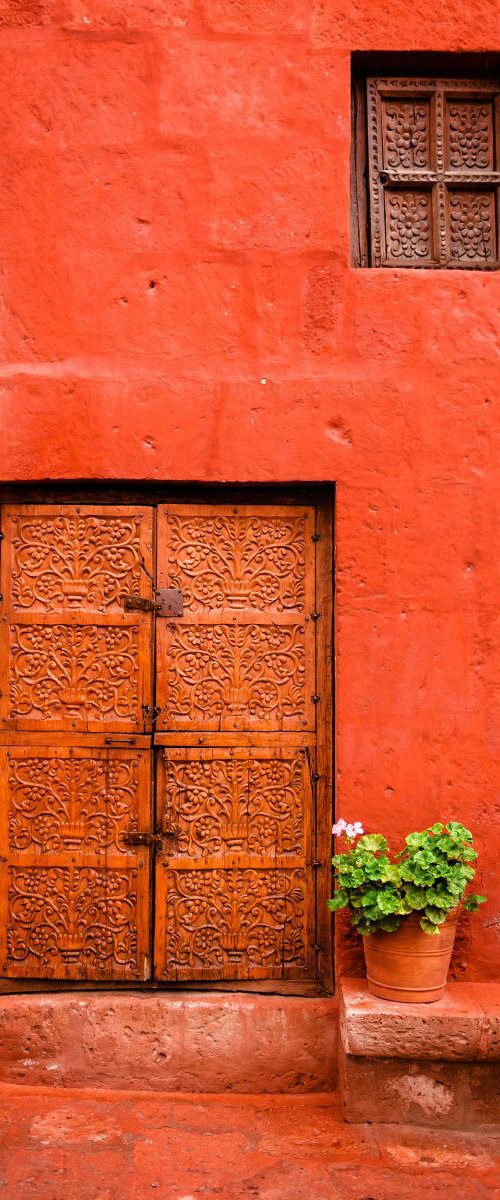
(71, 657)
(433, 174)
(62, 916)
(218, 672)
(218, 919)
(73, 894)
(224, 561)
(235, 886)
(74, 670)
(66, 804)
(252, 804)
(71, 561)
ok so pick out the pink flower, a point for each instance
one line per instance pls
(339, 828)
(354, 830)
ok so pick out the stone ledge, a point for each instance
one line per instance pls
(463, 1026)
(194, 1042)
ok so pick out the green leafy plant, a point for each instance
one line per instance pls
(429, 876)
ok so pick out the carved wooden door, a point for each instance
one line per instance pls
(235, 893)
(235, 742)
(75, 737)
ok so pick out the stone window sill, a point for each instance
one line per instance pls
(463, 1026)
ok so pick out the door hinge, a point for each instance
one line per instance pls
(142, 839)
(167, 603)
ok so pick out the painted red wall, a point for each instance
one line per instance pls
(177, 303)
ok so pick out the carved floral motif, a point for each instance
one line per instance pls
(438, 135)
(84, 671)
(470, 136)
(407, 134)
(238, 561)
(71, 561)
(254, 672)
(471, 226)
(64, 804)
(409, 225)
(234, 919)
(250, 805)
(63, 917)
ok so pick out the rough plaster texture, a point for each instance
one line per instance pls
(178, 304)
(464, 1025)
(195, 1043)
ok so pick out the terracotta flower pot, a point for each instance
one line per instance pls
(410, 965)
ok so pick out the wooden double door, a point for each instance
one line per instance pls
(161, 815)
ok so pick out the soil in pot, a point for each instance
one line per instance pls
(409, 965)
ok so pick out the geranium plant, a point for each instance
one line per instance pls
(429, 876)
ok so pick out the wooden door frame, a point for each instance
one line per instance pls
(322, 497)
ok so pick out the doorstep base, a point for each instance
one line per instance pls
(196, 1042)
(447, 1095)
(435, 1064)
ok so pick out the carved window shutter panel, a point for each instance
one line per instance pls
(236, 682)
(433, 172)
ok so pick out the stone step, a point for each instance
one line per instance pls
(423, 1064)
(198, 1042)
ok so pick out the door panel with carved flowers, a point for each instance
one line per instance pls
(75, 770)
(72, 658)
(235, 890)
(74, 896)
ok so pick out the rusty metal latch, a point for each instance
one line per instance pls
(142, 839)
(167, 603)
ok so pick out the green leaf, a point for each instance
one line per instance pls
(414, 840)
(459, 831)
(373, 842)
(388, 902)
(389, 924)
(415, 897)
(389, 873)
(435, 915)
(428, 927)
(471, 903)
(339, 900)
(438, 899)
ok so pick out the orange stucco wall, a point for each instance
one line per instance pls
(177, 304)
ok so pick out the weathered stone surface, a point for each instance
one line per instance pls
(107, 1146)
(463, 1025)
(201, 1042)
(440, 1094)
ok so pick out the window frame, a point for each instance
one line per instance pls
(393, 76)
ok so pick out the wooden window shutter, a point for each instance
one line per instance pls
(434, 174)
